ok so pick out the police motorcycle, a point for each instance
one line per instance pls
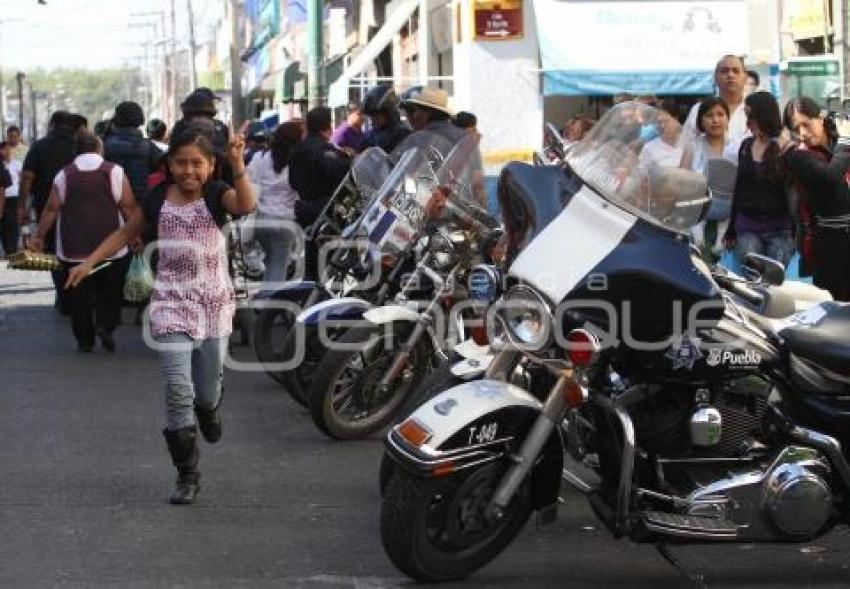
(290, 357)
(278, 306)
(370, 370)
(681, 415)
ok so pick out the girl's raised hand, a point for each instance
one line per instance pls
(236, 148)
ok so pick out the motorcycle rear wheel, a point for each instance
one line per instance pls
(434, 529)
(297, 381)
(344, 401)
(270, 326)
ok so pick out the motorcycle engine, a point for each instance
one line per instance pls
(679, 420)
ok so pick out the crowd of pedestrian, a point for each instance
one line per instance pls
(780, 181)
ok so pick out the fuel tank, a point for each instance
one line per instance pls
(731, 348)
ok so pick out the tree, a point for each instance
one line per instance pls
(91, 93)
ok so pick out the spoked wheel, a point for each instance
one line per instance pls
(436, 529)
(299, 380)
(346, 399)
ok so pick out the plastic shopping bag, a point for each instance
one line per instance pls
(138, 285)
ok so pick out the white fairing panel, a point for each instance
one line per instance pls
(455, 408)
(330, 303)
(574, 243)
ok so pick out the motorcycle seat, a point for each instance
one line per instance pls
(822, 335)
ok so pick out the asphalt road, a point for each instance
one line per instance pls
(85, 478)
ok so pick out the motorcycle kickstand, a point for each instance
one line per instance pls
(695, 577)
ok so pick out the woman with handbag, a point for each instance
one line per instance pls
(820, 167)
(192, 307)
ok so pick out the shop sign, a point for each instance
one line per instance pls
(806, 18)
(499, 20)
(813, 68)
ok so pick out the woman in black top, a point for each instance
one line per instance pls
(821, 170)
(760, 221)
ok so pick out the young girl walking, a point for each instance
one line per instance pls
(191, 310)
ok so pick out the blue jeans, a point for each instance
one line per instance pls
(778, 245)
(277, 244)
(193, 371)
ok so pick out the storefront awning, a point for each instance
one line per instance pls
(338, 91)
(652, 47)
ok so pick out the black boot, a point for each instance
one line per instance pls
(183, 447)
(209, 422)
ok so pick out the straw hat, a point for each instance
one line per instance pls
(434, 98)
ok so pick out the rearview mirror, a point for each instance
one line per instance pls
(761, 268)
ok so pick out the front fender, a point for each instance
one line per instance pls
(391, 313)
(472, 424)
(342, 308)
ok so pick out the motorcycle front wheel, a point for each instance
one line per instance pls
(435, 529)
(345, 400)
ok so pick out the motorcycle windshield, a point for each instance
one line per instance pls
(638, 157)
(369, 171)
(415, 194)
(397, 210)
(619, 238)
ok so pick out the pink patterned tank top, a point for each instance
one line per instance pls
(193, 293)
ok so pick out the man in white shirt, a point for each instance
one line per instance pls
(730, 77)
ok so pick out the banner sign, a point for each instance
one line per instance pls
(660, 47)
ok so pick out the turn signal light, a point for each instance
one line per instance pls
(441, 470)
(574, 394)
(582, 347)
(479, 335)
(414, 432)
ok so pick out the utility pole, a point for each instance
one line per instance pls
(176, 97)
(192, 69)
(20, 78)
(315, 51)
(845, 42)
(34, 108)
(235, 67)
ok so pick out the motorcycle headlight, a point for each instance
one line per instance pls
(484, 284)
(526, 318)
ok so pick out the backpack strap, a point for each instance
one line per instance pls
(213, 194)
(151, 206)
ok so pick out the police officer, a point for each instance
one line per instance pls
(199, 107)
(381, 106)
